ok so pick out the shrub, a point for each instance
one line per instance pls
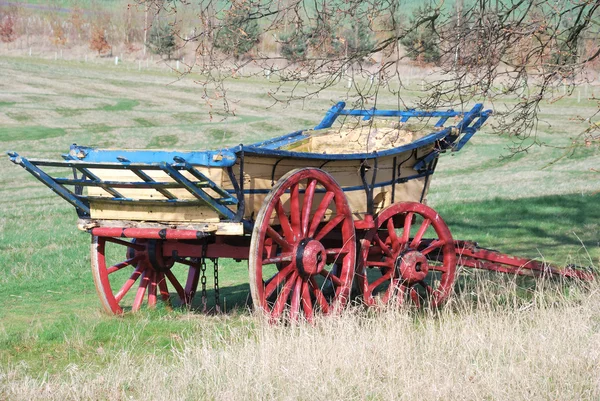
(162, 39)
(98, 41)
(7, 28)
(294, 46)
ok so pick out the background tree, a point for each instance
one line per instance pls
(421, 44)
(238, 33)
(8, 20)
(58, 35)
(161, 39)
(294, 46)
(98, 40)
(77, 22)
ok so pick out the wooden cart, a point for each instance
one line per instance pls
(321, 214)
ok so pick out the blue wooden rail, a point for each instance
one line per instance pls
(174, 170)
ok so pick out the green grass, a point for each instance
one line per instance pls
(142, 122)
(121, 105)
(29, 133)
(50, 318)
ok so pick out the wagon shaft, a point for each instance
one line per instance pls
(471, 255)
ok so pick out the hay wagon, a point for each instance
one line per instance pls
(322, 215)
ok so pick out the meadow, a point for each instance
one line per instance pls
(498, 338)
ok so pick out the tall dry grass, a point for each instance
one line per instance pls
(503, 347)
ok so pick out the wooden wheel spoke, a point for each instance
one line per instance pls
(178, 288)
(433, 246)
(419, 236)
(152, 289)
(394, 288)
(414, 295)
(391, 229)
(400, 291)
(277, 280)
(406, 230)
(163, 288)
(384, 246)
(307, 206)
(283, 297)
(334, 279)
(437, 267)
(388, 263)
(123, 264)
(320, 213)
(321, 300)
(278, 238)
(129, 283)
(141, 291)
(295, 208)
(296, 299)
(384, 277)
(284, 257)
(331, 224)
(307, 305)
(337, 253)
(284, 221)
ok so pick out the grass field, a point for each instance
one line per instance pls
(499, 337)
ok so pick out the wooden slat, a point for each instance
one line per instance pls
(161, 213)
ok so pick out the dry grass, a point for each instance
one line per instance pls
(504, 349)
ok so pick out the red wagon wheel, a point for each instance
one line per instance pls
(303, 248)
(408, 255)
(130, 274)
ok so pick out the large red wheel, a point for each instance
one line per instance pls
(303, 249)
(131, 274)
(408, 255)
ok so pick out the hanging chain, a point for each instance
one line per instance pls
(203, 276)
(217, 296)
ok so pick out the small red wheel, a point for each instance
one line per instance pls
(118, 265)
(409, 254)
(303, 248)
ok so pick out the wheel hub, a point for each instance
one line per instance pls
(412, 266)
(310, 257)
(155, 257)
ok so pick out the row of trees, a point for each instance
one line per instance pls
(234, 34)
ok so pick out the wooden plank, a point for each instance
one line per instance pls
(159, 213)
(219, 228)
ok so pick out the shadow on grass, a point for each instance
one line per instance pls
(233, 299)
(556, 228)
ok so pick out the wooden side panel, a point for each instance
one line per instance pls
(261, 174)
(145, 212)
